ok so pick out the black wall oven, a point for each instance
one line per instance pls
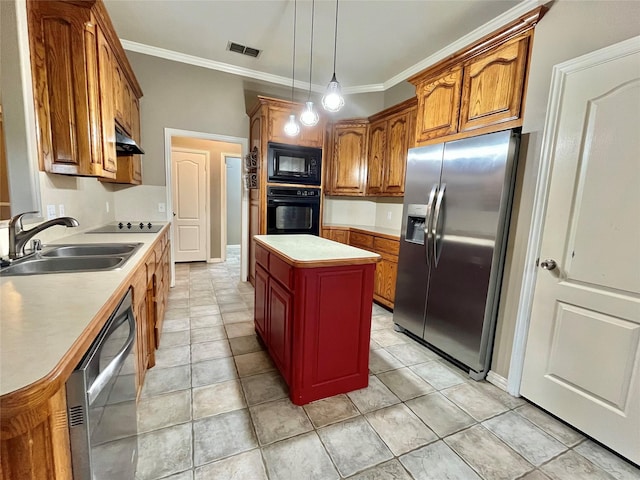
(293, 210)
(294, 164)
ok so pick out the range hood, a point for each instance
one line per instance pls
(126, 145)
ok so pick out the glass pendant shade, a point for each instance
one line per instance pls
(309, 117)
(333, 99)
(292, 128)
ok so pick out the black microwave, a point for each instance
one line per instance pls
(294, 164)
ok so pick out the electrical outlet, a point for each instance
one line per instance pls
(61, 209)
(107, 206)
(162, 207)
(51, 212)
(389, 215)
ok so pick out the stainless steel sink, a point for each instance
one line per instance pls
(73, 258)
(82, 250)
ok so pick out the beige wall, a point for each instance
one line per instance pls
(569, 29)
(216, 150)
(399, 93)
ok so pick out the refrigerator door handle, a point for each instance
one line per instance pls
(437, 245)
(427, 223)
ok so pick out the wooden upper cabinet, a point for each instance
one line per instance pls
(105, 80)
(493, 85)
(377, 157)
(399, 135)
(278, 116)
(118, 96)
(438, 105)
(349, 159)
(57, 37)
(277, 119)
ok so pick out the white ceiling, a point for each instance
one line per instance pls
(380, 42)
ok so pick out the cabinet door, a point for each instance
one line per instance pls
(377, 157)
(277, 119)
(135, 133)
(349, 161)
(385, 279)
(399, 132)
(260, 304)
(438, 106)
(341, 236)
(493, 86)
(280, 307)
(118, 96)
(107, 105)
(57, 37)
(126, 107)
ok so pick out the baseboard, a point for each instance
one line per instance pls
(215, 260)
(495, 379)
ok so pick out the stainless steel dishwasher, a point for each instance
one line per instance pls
(101, 402)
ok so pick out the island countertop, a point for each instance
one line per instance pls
(309, 251)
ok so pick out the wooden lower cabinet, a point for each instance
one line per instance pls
(315, 323)
(340, 235)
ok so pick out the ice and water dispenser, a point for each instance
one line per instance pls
(416, 215)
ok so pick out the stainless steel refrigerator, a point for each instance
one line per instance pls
(457, 205)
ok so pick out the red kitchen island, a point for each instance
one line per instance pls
(313, 301)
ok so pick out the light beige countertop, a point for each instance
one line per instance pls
(42, 316)
(372, 229)
(308, 251)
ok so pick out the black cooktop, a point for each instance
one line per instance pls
(128, 227)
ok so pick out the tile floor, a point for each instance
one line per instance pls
(214, 407)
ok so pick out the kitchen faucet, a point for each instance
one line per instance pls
(18, 236)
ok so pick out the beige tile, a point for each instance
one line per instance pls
(248, 344)
(164, 452)
(400, 429)
(381, 361)
(164, 410)
(208, 334)
(474, 402)
(381, 322)
(297, 458)
(437, 462)
(253, 363)
(411, 353)
(164, 380)
(330, 410)
(614, 465)
(487, 455)
(440, 415)
(209, 350)
(202, 310)
(264, 387)
(278, 420)
(500, 395)
(213, 371)
(241, 329)
(238, 306)
(197, 301)
(553, 427)
(354, 446)
(174, 339)
(187, 475)
(438, 375)
(205, 321)
(373, 345)
(176, 313)
(391, 470)
(375, 396)
(524, 437)
(405, 384)
(222, 436)
(217, 398)
(573, 466)
(387, 338)
(174, 303)
(237, 316)
(244, 466)
(535, 475)
(228, 298)
(176, 325)
(173, 356)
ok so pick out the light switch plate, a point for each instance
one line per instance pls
(61, 210)
(51, 212)
(162, 207)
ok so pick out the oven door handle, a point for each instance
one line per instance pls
(116, 363)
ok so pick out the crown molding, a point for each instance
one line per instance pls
(501, 20)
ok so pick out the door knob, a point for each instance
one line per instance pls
(548, 264)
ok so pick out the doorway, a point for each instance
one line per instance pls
(218, 147)
(233, 226)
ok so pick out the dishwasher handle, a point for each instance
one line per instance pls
(116, 363)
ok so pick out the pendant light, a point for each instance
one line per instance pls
(292, 128)
(309, 117)
(333, 99)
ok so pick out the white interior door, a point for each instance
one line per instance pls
(189, 187)
(582, 360)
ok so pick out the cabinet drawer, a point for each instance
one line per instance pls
(281, 271)
(361, 240)
(262, 256)
(386, 245)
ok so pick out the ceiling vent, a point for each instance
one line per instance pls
(249, 51)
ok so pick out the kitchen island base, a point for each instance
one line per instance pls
(315, 319)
